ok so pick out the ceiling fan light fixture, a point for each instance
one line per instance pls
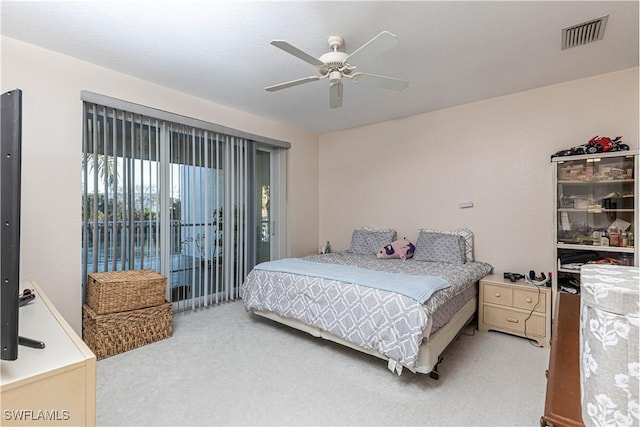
(335, 76)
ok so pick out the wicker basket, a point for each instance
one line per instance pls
(117, 291)
(114, 333)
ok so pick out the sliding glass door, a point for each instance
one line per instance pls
(194, 205)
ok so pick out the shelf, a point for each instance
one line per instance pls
(596, 248)
(626, 153)
(602, 181)
(566, 270)
(592, 194)
(593, 210)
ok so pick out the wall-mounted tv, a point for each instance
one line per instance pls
(10, 187)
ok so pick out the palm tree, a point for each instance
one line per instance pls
(105, 165)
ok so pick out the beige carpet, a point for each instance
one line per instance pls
(224, 366)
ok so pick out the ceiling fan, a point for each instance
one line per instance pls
(335, 65)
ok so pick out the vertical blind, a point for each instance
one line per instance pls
(170, 197)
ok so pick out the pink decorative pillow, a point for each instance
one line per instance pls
(401, 249)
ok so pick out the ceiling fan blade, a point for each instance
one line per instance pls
(291, 83)
(335, 95)
(374, 47)
(297, 52)
(380, 81)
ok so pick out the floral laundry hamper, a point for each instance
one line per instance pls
(609, 349)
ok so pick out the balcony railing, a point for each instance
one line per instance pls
(121, 245)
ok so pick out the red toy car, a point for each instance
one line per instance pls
(603, 144)
(597, 144)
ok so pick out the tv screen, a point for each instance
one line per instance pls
(10, 172)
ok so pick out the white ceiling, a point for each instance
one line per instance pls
(451, 52)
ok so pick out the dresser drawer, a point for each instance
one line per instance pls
(497, 295)
(514, 320)
(527, 300)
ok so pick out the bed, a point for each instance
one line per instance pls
(406, 311)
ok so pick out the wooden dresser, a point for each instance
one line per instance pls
(562, 405)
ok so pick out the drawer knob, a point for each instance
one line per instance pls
(512, 320)
(497, 294)
(528, 299)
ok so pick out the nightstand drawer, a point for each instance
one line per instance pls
(527, 300)
(497, 295)
(514, 320)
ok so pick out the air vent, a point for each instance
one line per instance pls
(587, 32)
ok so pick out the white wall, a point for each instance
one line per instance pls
(51, 163)
(413, 172)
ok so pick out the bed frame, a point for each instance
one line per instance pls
(431, 350)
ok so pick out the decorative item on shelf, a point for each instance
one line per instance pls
(625, 259)
(597, 144)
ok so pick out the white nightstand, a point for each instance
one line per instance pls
(516, 308)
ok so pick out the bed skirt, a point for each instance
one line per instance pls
(430, 349)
